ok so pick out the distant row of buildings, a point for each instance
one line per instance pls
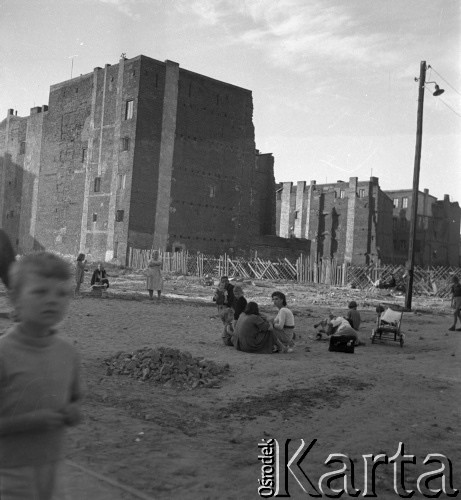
(357, 222)
(145, 154)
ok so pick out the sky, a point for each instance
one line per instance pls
(333, 81)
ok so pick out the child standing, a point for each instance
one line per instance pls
(79, 273)
(39, 379)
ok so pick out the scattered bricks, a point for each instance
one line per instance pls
(167, 366)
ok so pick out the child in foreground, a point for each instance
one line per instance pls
(39, 379)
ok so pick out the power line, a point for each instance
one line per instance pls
(449, 107)
(448, 83)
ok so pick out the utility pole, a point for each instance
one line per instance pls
(414, 199)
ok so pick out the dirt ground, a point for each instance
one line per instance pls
(203, 443)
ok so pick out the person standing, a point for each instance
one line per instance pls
(154, 275)
(39, 379)
(79, 273)
(456, 302)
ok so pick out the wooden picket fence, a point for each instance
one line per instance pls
(433, 281)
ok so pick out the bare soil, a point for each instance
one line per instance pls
(203, 443)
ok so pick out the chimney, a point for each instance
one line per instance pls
(45, 107)
(34, 111)
(10, 112)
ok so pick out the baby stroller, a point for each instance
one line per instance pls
(388, 326)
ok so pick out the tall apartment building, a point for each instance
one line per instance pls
(138, 154)
(437, 240)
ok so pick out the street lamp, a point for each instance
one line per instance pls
(414, 200)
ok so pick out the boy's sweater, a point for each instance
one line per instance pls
(35, 373)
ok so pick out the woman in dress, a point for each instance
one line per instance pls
(253, 332)
(154, 275)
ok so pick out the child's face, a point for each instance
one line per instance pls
(43, 301)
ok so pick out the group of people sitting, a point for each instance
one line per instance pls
(247, 329)
(345, 327)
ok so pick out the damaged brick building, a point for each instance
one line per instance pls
(358, 223)
(138, 154)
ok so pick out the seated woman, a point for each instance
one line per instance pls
(252, 332)
(284, 323)
(100, 277)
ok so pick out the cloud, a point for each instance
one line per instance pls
(297, 35)
(126, 7)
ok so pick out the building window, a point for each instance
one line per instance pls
(121, 181)
(84, 153)
(22, 148)
(115, 249)
(125, 143)
(95, 217)
(129, 110)
(97, 184)
(396, 203)
(403, 245)
(361, 193)
(405, 202)
(119, 215)
(394, 223)
(342, 193)
(212, 191)
(296, 214)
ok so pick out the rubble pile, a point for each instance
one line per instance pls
(167, 366)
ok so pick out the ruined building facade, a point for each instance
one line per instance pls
(437, 238)
(139, 154)
(358, 223)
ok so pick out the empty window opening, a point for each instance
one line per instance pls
(129, 110)
(121, 181)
